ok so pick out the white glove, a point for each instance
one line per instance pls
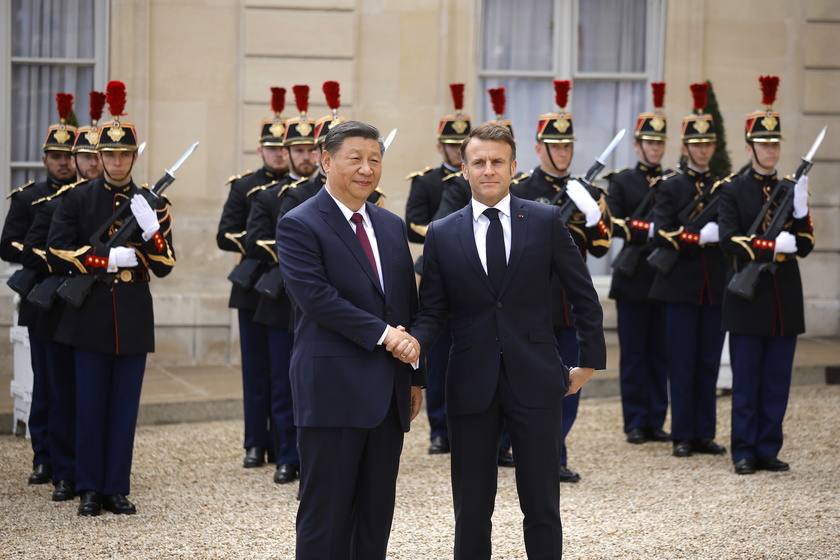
(709, 233)
(785, 243)
(651, 231)
(121, 257)
(800, 198)
(584, 202)
(146, 217)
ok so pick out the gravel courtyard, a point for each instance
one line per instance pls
(194, 499)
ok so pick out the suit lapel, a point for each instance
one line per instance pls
(466, 235)
(518, 235)
(335, 219)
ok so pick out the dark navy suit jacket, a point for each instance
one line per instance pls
(340, 377)
(515, 323)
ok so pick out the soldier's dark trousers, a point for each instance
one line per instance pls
(256, 380)
(282, 410)
(643, 366)
(761, 374)
(38, 423)
(61, 376)
(107, 402)
(695, 342)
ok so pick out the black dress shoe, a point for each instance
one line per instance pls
(636, 435)
(285, 474)
(64, 490)
(745, 466)
(505, 458)
(118, 504)
(682, 448)
(706, 445)
(254, 457)
(90, 503)
(40, 474)
(657, 434)
(568, 476)
(771, 464)
(440, 444)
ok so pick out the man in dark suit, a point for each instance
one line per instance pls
(489, 266)
(349, 271)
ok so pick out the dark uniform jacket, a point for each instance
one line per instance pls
(233, 223)
(260, 244)
(627, 190)
(117, 317)
(699, 273)
(34, 257)
(542, 187)
(424, 198)
(777, 307)
(456, 194)
(18, 221)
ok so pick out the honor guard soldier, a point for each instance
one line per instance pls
(274, 309)
(85, 155)
(690, 283)
(253, 337)
(551, 183)
(112, 330)
(424, 197)
(60, 359)
(301, 191)
(58, 162)
(643, 367)
(764, 222)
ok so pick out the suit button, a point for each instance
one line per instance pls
(388, 311)
(499, 304)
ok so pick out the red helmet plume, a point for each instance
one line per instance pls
(658, 94)
(65, 105)
(561, 93)
(97, 103)
(457, 96)
(769, 85)
(498, 100)
(698, 93)
(332, 93)
(278, 100)
(115, 95)
(301, 98)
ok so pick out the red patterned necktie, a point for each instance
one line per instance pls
(363, 239)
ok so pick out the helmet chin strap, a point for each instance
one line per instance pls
(105, 170)
(560, 172)
(755, 155)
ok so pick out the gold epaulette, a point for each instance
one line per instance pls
(235, 177)
(59, 192)
(614, 172)
(261, 188)
(20, 189)
(418, 173)
(287, 186)
(381, 193)
(300, 181)
(516, 180)
(669, 175)
(452, 175)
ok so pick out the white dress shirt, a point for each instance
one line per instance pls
(482, 222)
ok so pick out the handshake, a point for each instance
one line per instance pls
(402, 345)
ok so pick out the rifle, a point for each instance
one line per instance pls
(245, 273)
(743, 282)
(662, 260)
(270, 284)
(628, 258)
(44, 293)
(22, 280)
(568, 207)
(76, 288)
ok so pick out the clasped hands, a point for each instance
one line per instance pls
(402, 345)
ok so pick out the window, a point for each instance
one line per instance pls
(610, 49)
(56, 46)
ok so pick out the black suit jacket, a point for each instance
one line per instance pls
(516, 322)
